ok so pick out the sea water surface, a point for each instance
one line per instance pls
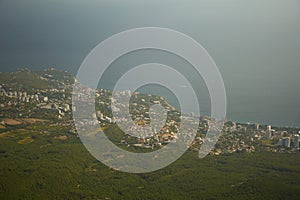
(254, 43)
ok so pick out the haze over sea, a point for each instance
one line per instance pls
(254, 43)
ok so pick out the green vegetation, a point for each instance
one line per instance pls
(23, 80)
(38, 164)
(27, 80)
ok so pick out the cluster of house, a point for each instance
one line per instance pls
(139, 114)
(19, 96)
(284, 138)
(41, 98)
(273, 140)
(235, 137)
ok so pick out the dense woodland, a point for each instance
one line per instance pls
(37, 163)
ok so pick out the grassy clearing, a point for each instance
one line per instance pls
(26, 140)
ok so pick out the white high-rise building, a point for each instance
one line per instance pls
(286, 142)
(296, 141)
(233, 128)
(268, 134)
(101, 116)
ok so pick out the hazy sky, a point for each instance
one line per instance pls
(255, 43)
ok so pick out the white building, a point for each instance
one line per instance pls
(286, 142)
(67, 107)
(233, 127)
(268, 134)
(108, 119)
(296, 141)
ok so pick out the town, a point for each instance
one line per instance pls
(54, 104)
